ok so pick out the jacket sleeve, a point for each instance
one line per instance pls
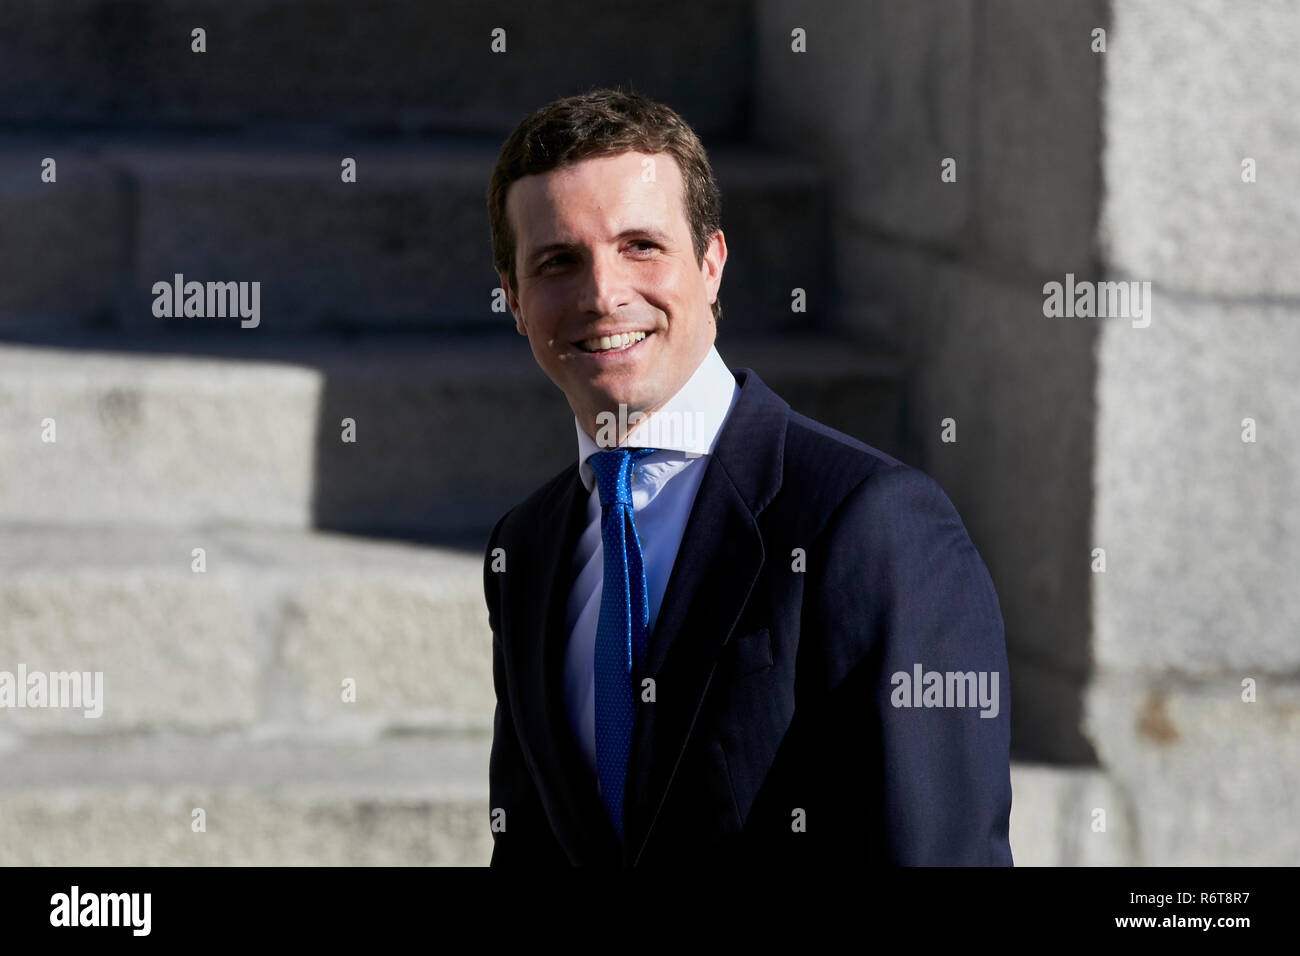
(905, 593)
(527, 838)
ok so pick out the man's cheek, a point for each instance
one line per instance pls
(662, 291)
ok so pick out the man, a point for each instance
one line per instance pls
(727, 633)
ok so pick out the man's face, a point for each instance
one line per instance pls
(604, 247)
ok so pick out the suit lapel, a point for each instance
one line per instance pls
(568, 788)
(719, 560)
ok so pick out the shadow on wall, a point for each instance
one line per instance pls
(962, 144)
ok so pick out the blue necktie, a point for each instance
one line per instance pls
(624, 618)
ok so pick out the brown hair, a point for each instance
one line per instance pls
(601, 123)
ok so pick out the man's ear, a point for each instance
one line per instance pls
(715, 257)
(513, 302)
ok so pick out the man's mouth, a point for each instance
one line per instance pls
(612, 343)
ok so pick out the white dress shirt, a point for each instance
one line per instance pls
(663, 487)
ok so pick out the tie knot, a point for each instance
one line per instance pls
(613, 471)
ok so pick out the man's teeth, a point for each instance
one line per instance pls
(608, 342)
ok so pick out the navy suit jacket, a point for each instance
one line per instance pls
(813, 569)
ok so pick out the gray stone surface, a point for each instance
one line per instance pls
(775, 212)
(385, 66)
(264, 637)
(354, 762)
(1191, 90)
(174, 648)
(1037, 169)
(141, 826)
(158, 440)
(405, 247)
(1054, 818)
(61, 248)
(359, 799)
(1201, 530)
(414, 639)
(1212, 779)
(882, 95)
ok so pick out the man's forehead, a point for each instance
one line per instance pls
(629, 177)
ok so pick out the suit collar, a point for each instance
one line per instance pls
(687, 426)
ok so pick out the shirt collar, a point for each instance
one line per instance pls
(687, 425)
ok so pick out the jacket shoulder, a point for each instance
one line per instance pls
(832, 475)
(823, 466)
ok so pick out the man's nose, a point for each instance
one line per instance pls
(604, 286)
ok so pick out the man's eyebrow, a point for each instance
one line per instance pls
(649, 232)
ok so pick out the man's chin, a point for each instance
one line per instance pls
(612, 400)
(626, 408)
(621, 411)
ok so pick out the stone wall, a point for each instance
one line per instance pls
(1201, 529)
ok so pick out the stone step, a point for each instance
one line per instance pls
(405, 247)
(418, 800)
(385, 66)
(359, 764)
(451, 431)
(1055, 819)
(408, 800)
(262, 641)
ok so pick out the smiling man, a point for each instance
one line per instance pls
(699, 625)
(622, 317)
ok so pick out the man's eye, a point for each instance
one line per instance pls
(560, 259)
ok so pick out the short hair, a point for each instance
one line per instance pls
(602, 122)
